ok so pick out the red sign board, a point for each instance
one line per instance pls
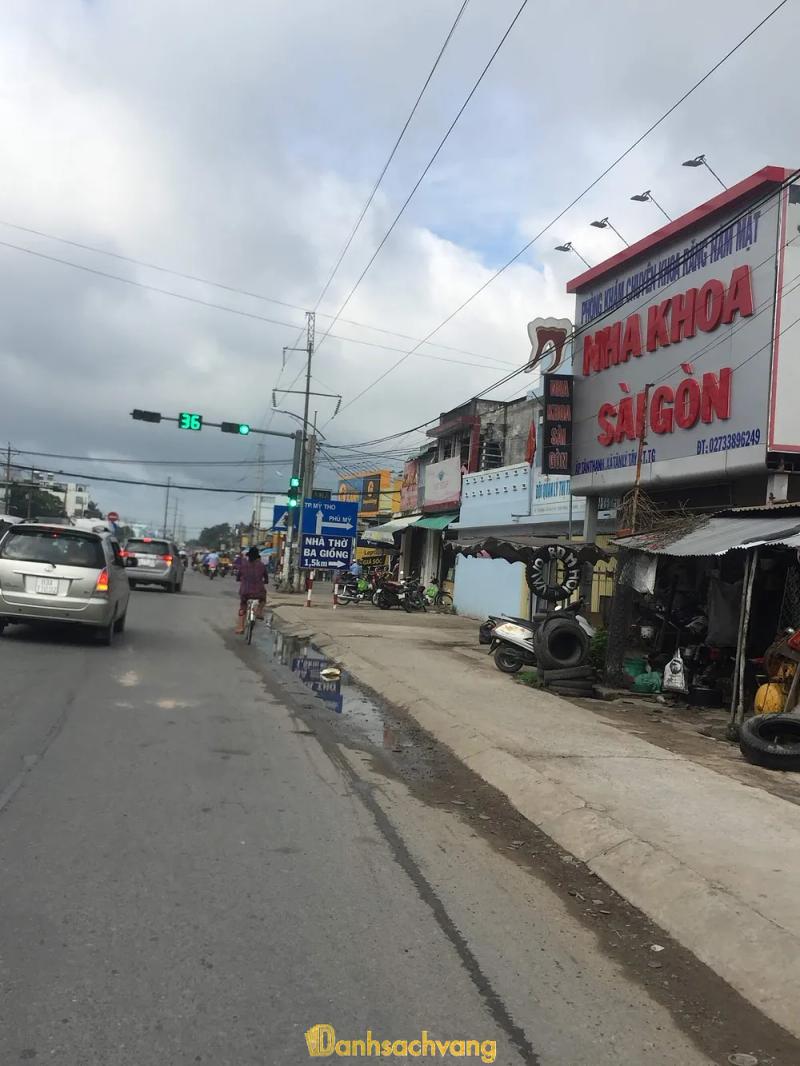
(112, 516)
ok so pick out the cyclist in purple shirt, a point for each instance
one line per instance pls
(253, 582)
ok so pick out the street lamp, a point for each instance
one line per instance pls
(603, 223)
(647, 197)
(300, 419)
(569, 247)
(701, 161)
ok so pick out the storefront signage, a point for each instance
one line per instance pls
(409, 487)
(557, 432)
(540, 577)
(549, 337)
(371, 493)
(681, 357)
(443, 482)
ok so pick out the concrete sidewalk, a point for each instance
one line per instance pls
(715, 861)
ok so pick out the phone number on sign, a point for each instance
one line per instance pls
(744, 438)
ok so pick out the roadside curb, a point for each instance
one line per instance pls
(752, 952)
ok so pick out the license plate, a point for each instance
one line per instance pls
(47, 586)
(146, 560)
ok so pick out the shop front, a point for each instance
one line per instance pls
(713, 610)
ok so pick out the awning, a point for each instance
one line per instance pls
(436, 521)
(384, 534)
(719, 535)
(524, 548)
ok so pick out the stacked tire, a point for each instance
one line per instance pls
(772, 740)
(562, 652)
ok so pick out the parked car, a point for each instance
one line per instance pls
(153, 561)
(55, 574)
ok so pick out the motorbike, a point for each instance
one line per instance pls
(392, 594)
(354, 590)
(511, 640)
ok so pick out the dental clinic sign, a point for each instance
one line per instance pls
(678, 337)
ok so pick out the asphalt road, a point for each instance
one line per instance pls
(191, 873)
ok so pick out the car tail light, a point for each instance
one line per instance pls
(102, 581)
(123, 554)
(167, 559)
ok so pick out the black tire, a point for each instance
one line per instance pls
(568, 690)
(132, 585)
(251, 625)
(569, 673)
(179, 587)
(443, 599)
(407, 605)
(383, 601)
(105, 636)
(3, 625)
(171, 587)
(119, 625)
(561, 645)
(771, 740)
(344, 601)
(507, 661)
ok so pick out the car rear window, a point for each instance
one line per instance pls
(148, 547)
(57, 546)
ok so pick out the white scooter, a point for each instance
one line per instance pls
(512, 639)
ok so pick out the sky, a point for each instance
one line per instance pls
(238, 143)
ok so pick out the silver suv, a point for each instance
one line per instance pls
(154, 562)
(57, 574)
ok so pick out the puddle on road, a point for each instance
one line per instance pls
(341, 696)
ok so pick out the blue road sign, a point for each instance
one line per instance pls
(330, 518)
(278, 512)
(325, 553)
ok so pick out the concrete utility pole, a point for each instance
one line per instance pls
(166, 507)
(297, 459)
(305, 483)
(8, 478)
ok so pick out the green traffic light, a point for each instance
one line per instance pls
(294, 483)
(292, 503)
(244, 429)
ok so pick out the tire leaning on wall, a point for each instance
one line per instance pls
(537, 572)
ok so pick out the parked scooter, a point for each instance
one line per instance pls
(392, 594)
(512, 640)
(353, 590)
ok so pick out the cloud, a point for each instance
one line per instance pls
(239, 143)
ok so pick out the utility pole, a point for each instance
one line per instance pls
(166, 507)
(304, 479)
(8, 478)
(287, 544)
(255, 525)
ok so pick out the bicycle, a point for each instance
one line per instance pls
(250, 620)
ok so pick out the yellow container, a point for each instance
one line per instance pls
(770, 698)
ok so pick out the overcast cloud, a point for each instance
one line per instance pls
(238, 142)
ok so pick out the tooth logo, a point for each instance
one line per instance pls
(548, 336)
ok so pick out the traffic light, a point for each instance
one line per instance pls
(146, 416)
(294, 491)
(241, 428)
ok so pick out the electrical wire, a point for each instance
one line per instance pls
(644, 288)
(576, 200)
(391, 156)
(427, 167)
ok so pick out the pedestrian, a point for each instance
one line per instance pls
(253, 581)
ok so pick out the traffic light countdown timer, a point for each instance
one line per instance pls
(192, 421)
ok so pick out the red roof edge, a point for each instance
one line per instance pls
(762, 178)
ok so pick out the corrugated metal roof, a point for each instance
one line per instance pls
(718, 536)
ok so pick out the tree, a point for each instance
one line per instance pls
(216, 536)
(28, 501)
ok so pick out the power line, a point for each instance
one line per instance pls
(224, 307)
(382, 174)
(217, 285)
(153, 484)
(614, 309)
(570, 205)
(427, 167)
(150, 462)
